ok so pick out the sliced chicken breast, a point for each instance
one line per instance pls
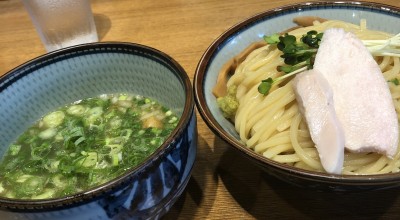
(315, 99)
(361, 96)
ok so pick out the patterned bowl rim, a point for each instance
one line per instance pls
(123, 180)
(212, 123)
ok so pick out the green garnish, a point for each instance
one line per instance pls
(298, 55)
(272, 39)
(229, 104)
(267, 84)
(388, 47)
(395, 81)
(84, 144)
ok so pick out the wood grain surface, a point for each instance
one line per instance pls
(223, 185)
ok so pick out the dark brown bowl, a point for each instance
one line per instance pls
(234, 40)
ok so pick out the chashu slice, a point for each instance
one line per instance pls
(315, 100)
(361, 96)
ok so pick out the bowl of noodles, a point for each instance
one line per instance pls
(95, 131)
(269, 128)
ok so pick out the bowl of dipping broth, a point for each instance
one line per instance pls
(280, 88)
(95, 131)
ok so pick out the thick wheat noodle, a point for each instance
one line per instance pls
(272, 143)
(288, 115)
(306, 158)
(263, 144)
(267, 130)
(277, 150)
(384, 63)
(272, 125)
(263, 107)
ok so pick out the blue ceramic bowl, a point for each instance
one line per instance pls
(237, 38)
(64, 76)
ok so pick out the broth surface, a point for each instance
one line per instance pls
(84, 144)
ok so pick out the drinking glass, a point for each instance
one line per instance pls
(62, 23)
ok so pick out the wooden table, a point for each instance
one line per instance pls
(223, 185)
